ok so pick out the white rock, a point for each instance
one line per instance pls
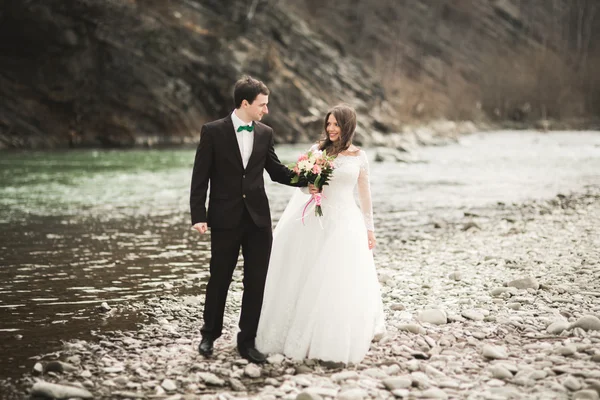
(392, 369)
(272, 382)
(499, 291)
(38, 368)
(537, 375)
(399, 382)
(567, 350)
(455, 276)
(557, 327)
(493, 352)
(525, 283)
(587, 394)
(434, 372)
(557, 387)
(237, 385)
(509, 366)
(473, 315)
(374, 373)
(572, 383)
(587, 323)
(420, 379)
(495, 383)
(52, 390)
(413, 328)
(211, 379)
(506, 392)
(169, 385)
(434, 393)
(401, 393)
(344, 375)
(455, 317)
(275, 359)
(433, 316)
(302, 381)
(385, 277)
(307, 396)
(352, 394)
(252, 370)
(114, 370)
(499, 372)
(447, 383)
(479, 335)
(322, 391)
(412, 365)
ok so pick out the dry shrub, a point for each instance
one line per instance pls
(538, 85)
(590, 78)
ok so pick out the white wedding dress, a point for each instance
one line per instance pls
(322, 297)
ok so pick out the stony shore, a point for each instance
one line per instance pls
(503, 304)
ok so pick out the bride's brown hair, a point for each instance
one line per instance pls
(346, 119)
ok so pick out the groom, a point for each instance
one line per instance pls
(232, 155)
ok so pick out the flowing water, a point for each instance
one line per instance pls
(78, 228)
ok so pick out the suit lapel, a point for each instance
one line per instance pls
(230, 135)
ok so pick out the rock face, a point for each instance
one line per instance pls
(117, 73)
(120, 73)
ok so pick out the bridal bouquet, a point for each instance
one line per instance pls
(316, 166)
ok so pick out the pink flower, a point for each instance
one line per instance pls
(302, 157)
(316, 169)
(296, 170)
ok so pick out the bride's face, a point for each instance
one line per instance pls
(333, 129)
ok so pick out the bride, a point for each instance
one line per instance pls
(322, 298)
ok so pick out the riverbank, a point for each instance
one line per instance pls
(488, 336)
(438, 132)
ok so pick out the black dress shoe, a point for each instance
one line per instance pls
(206, 347)
(252, 355)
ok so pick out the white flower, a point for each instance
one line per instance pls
(305, 165)
(315, 155)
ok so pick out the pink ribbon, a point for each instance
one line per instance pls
(317, 199)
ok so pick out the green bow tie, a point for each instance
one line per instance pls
(248, 128)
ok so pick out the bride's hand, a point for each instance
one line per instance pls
(372, 241)
(313, 189)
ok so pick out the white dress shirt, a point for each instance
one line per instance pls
(245, 139)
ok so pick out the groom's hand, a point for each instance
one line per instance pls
(201, 227)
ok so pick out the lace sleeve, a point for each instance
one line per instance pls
(364, 192)
(314, 147)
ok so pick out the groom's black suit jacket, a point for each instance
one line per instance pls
(233, 188)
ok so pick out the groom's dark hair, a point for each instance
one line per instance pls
(247, 88)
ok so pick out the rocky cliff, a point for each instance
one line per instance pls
(517, 60)
(127, 72)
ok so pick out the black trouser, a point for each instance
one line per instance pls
(225, 248)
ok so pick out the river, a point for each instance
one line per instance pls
(78, 228)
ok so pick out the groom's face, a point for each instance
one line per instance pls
(258, 108)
